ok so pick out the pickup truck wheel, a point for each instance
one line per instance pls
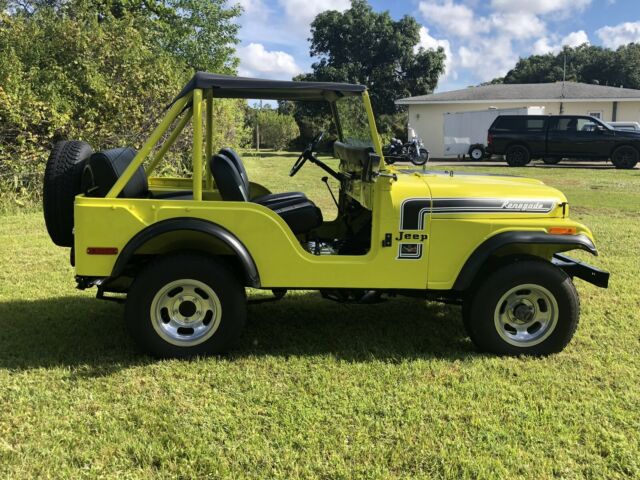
(551, 160)
(526, 308)
(517, 156)
(184, 305)
(625, 157)
(61, 184)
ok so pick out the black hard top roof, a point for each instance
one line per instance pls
(227, 86)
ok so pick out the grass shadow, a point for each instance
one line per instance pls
(398, 328)
(90, 337)
(71, 331)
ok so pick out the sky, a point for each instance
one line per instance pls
(482, 39)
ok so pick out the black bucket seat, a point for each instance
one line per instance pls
(300, 213)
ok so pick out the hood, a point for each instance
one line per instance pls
(630, 134)
(500, 196)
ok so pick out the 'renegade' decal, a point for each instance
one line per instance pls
(413, 210)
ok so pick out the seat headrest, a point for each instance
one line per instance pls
(103, 170)
(232, 155)
(228, 179)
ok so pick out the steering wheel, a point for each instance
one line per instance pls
(304, 156)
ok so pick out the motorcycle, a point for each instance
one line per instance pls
(414, 151)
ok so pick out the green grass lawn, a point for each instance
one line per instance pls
(317, 389)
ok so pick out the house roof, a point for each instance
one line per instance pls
(558, 91)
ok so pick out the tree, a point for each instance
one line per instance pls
(362, 46)
(200, 32)
(586, 63)
(72, 69)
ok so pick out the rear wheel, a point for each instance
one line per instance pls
(525, 308)
(62, 177)
(184, 305)
(625, 157)
(517, 156)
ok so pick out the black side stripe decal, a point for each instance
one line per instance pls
(412, 213)
(413, 210)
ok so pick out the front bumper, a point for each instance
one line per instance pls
(576, 268)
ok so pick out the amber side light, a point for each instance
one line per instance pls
(102, 251)
(563, 230)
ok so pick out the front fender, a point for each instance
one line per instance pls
(493, 246)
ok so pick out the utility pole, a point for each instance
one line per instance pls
(258, 127)
(564, 77)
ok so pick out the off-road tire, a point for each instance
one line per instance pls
(481, 313)
(551, 160)
(61, 184)
(187, 266)
(625, 157)
(517, 156)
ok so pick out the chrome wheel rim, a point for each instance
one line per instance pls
(526, 315)
(476, 154)
(186, 312)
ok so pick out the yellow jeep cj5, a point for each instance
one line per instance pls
(183, 250)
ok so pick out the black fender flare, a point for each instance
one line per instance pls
(190, 224)
(482, 253)
(517, 143)
(623, 144)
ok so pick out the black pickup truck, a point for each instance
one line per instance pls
(521, 138)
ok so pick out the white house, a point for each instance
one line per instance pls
(571, 98)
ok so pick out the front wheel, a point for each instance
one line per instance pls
(420, 158)
(184, 305)
(528, 307)
(625, 157)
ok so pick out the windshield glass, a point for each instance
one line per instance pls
(605, 125)
(354, 122)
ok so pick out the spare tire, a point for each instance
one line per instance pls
(61, 184)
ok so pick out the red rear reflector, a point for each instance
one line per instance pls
(102, 251)
(562, 230)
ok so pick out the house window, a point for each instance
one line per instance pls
(597, 114)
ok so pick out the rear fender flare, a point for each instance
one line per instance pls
(190, 224)
(493, 245)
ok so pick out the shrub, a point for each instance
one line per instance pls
(276, 130)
